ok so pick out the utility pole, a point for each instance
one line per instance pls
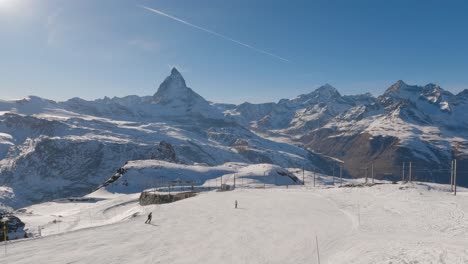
(5, 221)
(341, 176)
(455, 178)
(333, 177)
(234, 180)
(314, 177)
(5, 232)
(403, 173)
(451, 176)
(367, 170)
(410, 172)
(303, 182)
(372, 173)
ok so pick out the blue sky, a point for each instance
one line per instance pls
(60, 49)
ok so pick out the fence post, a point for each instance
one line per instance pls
(455, 178)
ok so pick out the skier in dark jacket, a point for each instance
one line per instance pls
(235, 204)
(150, 216)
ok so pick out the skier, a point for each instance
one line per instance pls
(235, 204)
(148, 221)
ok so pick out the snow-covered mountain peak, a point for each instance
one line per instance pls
(398, 87)
(424, 98)
(327, 91)
(401, 90)
(435, 94)
(324, 93)
(174, 98)
(174, 71)
(174, 91)
(177, 78)
(173, 87)
(27, 105)
(326, 87)
(32, 99)
(400, 83)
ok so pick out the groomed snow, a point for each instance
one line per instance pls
(386, 223)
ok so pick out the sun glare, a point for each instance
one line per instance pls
(11, 7)
(4, 4)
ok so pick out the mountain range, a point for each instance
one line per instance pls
(424, 125)
(54, 149)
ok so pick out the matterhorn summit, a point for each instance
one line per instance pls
(175, 98)
(174, 91)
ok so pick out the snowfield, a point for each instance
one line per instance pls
(384, 223)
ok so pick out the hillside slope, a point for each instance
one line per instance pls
(379, 224)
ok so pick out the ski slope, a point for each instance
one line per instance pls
(384, 223)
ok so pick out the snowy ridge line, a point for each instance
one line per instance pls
(76, 143)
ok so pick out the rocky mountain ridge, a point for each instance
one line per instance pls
(54, 149)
